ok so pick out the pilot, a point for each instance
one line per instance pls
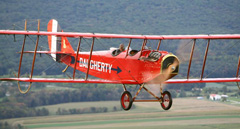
(121, 47)
(119, 50)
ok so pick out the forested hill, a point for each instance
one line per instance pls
(128, 16)
(161, 17)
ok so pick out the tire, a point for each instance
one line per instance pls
(126, 100)
(166, 100)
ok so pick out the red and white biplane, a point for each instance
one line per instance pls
(116, 66)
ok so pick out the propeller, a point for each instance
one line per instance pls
(170, 68)
(164, 76)
(182, 52)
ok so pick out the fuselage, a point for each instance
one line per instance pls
(120, 66)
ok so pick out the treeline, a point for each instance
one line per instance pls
(83, 93)
(6, 125)
(23, 105)
(185, 86)
(63, 111)
(81, 111)
(206, 91)
(45, 97)
(16, 110)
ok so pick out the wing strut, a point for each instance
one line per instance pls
(190, 60)
(237, 75)
(90, 56)
(159, 43)
(35, 51)
(33, 62)
(143, 45)
(130, 40)
(20, 62)
(205, 58)
(74, 70)
(23, 45)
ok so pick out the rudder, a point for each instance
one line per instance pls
(57, 44)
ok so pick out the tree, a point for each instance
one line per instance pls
(182, 93)
(224, 90)
(173, 93)
(45, 111)
(59, 112)
(114, 108)
(2, 92)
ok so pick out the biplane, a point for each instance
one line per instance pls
(115, 66)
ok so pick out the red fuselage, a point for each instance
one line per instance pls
(105, 65)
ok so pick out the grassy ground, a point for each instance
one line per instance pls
(185, 113)
(153, 122)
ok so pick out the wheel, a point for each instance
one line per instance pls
(166, 100)
(126, 100)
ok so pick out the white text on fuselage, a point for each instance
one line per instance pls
(95, 65)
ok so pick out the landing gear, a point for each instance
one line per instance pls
(126, 100)
(166, 100)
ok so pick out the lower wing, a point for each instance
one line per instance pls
(61, 80)
(206, 80)
(171, 81)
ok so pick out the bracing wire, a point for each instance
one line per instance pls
(217, 68)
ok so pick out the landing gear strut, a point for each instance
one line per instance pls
(127, 100)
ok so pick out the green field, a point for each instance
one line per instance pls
(135, 121)
(185, 113)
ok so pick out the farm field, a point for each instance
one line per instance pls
(185, 113)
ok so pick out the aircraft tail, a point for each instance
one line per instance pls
(57, 44)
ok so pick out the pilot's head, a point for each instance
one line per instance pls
(121, 47)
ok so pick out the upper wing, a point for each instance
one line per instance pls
(46, 52)
(98, 35)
